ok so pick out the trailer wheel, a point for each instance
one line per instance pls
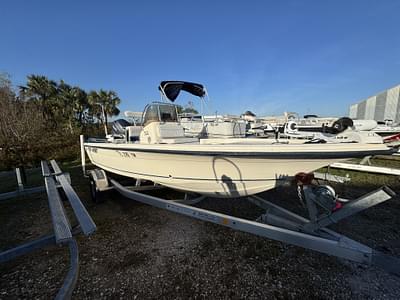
(94, 191)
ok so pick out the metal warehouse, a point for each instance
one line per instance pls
(381, 107)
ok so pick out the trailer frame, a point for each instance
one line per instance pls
(283, 225)
(63, 233)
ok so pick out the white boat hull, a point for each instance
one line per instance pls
(217, 176)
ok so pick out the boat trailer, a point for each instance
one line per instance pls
(64, 233)
(323, 205)
(365, 165)
(21, 189)
(324, 208)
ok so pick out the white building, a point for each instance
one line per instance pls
(381, 107)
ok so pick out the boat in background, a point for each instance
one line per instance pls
(340, 128)
(217, 126)
(385, 128)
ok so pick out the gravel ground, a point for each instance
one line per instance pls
(141, 252)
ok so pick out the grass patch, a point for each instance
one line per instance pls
(8, 179)
(370, 180)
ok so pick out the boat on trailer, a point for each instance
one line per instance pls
(231, 167)
(160, 152)
(323, 205)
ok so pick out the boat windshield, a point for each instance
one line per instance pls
(160, 113)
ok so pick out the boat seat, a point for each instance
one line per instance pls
(164, 133)
(173, 133)
(170, 130)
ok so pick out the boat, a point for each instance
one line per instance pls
(204, 126)
(160, 152)
(213, 126)
(294, 126)
(386, 128)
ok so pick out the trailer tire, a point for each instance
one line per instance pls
(94, 191)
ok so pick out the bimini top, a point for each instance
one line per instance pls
(172, 89)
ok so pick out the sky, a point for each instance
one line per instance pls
(310, 57)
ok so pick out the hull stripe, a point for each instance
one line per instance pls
(183, 178)
(275, 155)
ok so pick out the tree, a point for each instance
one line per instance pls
(65, 99)
(188, 109)
(42, 121)
(80, 103)
(104, 104)
(179, 109)
(94, 107)
(43, 91)
(73, 102)
(21, 127)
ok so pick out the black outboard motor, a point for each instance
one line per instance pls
(119, 127)
(339, 125)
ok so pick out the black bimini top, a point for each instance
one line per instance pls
(173, 88)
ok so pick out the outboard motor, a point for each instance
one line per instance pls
(340, 125)
(119, 127)
(291, 127)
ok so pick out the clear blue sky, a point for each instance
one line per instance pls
(265, 56)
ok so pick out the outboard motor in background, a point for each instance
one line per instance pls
(339, 125)
(119, 127)
(291, 127)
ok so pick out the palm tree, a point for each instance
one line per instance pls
(110, 101)
(65, 99)
(43, 91)
(103, 105)
(74, 102)
(94, 108)
(80, 103)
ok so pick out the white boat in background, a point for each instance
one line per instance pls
(382, 128)
(213, 126)
(291, 123)
(203, 126)
(387, 128)
(307, 120)
(255, 126)
(314, 127)
(220, 167)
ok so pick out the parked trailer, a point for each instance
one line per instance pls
(63, 231)
(365, 166)
(278, 223)
(21, 189)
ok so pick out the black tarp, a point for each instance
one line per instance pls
(173, 88)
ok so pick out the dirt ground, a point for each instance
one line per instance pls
(141, 252)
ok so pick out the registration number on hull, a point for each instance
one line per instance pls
(126, 154)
